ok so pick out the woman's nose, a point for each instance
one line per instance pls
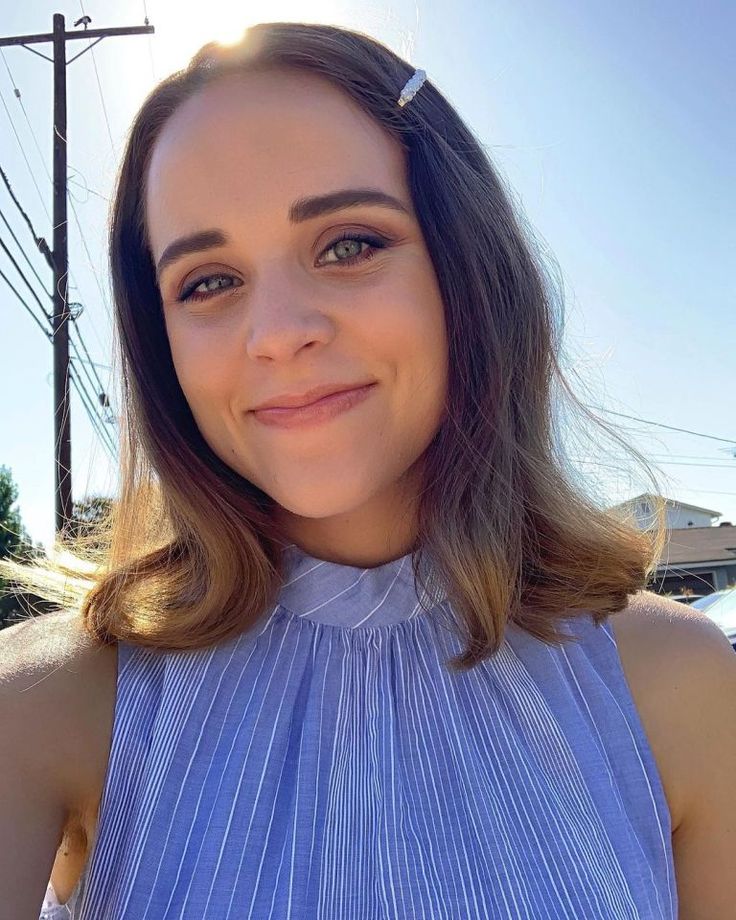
(283, 316)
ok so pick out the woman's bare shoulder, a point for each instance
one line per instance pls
(664, 647)
(684, 675)
(42, 640)
(661, 636)
(58, 686)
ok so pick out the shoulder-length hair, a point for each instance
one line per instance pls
(190, 555)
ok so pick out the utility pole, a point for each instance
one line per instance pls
(62, 421)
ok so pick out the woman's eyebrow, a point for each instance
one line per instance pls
(194, 242)
(301, 210)
(307, 208)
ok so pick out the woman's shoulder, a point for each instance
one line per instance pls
(683, 678)
(58, 687)
(667, 652)
(57, 702)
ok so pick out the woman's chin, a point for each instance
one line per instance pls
(320, 501)
(316, 508)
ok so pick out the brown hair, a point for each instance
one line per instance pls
(191, 556)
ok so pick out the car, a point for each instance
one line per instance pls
(722, 610)
(702, 603)
(686, 598)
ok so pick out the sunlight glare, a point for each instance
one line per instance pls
(179, 34)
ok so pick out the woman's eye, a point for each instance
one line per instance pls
(348, 248)
(205, 287)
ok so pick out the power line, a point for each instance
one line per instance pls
(683, 456)
(27, 283)
(97, 364)
(19, 97)
(23, 152)
(95, 383)
(95, 274)
(98, 385)
(635, 418)
(98, 382)
(102, 420)
(91, 414)
(707, 491)
(150, 42)
(89, 359)
(40, 242)
(713, 466)
(99, 85)
(85, 186)
(90, 261)
(59, 39)
(20, 298)
(71, 201)
(23, 253)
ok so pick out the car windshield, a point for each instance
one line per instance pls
(723, 611)
(702, 603)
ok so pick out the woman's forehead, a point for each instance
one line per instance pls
(263, 138)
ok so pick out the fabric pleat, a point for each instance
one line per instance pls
(327, 765)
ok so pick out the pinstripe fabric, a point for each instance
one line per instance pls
(327, 766)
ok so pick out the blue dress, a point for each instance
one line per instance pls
(326, 765)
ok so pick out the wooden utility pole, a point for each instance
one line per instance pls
(62, 421)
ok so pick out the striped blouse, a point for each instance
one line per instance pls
(326, 764)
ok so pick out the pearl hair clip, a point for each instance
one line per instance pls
(413, 84)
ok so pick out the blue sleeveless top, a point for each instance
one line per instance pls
(327, 764)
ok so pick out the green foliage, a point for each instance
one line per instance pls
(15, 541)
(87, 515)
(14, 538)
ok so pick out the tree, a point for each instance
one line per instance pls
(15, 541)
(87, 514)
(14, 538)
(16, 602)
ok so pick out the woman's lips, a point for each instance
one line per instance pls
(320, 411)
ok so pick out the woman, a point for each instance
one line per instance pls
(349, 652)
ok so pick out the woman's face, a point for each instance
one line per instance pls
(261, 300)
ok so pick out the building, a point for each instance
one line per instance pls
(700, 554)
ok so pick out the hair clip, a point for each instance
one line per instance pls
(413, 84)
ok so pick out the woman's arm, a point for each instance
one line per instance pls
(32, 809)
(705, 841)
(682, 673)
(45, 665)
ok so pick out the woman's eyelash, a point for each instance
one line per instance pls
(374, 242)
(190, 292)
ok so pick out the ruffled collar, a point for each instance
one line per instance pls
(348, 596)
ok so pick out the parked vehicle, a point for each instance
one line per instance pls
(686, 598)
(722, 610)
(702, 603)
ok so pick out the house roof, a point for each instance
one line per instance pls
(672, 502)
(700, 544)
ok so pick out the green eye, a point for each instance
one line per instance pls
(374, 243)
(213, 284)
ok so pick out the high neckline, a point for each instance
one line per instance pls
(348, 596)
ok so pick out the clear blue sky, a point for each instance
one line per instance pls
(613, 122)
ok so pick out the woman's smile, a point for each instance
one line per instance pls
(315, 413)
